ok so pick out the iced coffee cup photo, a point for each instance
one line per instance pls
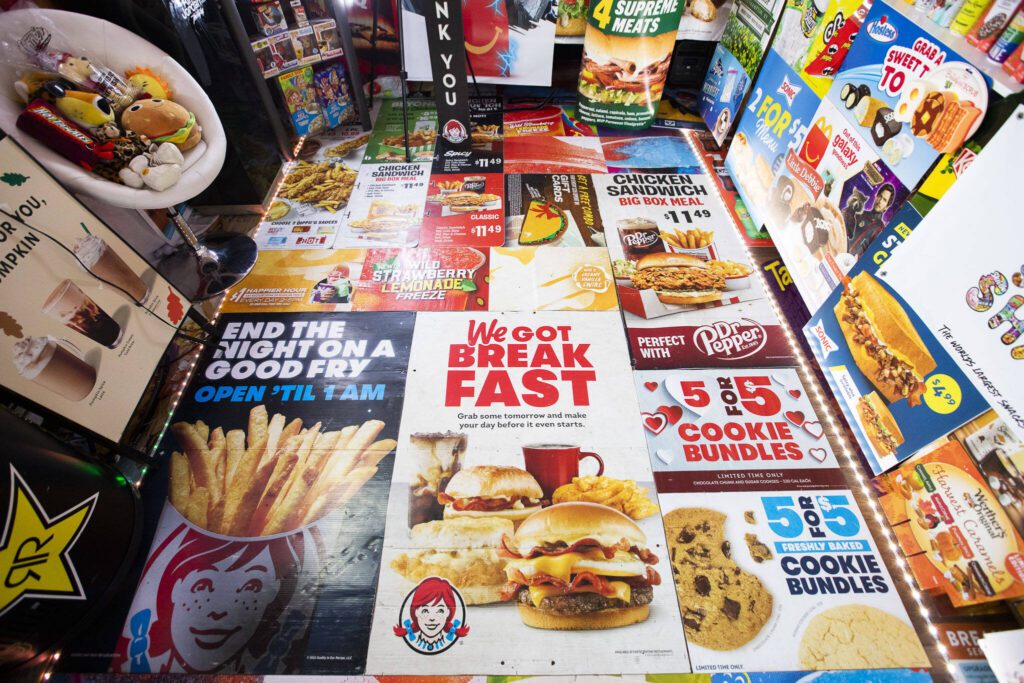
(103, 262)
(554, 465)
(48, 363)
(74, 308)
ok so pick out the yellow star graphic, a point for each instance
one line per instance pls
(34, 561)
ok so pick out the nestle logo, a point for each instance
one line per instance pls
(882, 30)
(730, 340)
(788, 90)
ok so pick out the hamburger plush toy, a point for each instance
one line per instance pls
(161, 120)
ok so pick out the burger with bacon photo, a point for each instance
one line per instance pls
(491, 491)
(580, 566)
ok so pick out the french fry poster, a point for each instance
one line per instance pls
(522, 506)
(278, 469)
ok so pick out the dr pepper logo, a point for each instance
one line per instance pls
(432, 617)
(730, 340)
(882, 30)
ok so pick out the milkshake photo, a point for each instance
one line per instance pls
(46, 362)
(73, 307)
(104, 263)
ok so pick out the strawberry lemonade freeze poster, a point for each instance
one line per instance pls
(505, 411)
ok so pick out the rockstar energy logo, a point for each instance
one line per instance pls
(34, 550)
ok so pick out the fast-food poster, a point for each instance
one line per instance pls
(831, 199)
(789, 579)
(554, 154)
(542, 111)
(504, 411)
(673, 244)
(541, 279)
(910, 97)
(311, 203)
(387, 205)
(953, 529)
(507, 41)
(666, 149)
(278, 463)
(485, 153)
(704, 20)
(775, 120)
(387, 142)
(82, 331)
(894, 380)
(735, 62)
(466, 210)
(552, 210)
(974, 308)
(334, 280)
(734, 430)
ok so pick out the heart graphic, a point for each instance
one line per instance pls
(814, 429)
(794, 416)
(655, 422)
(673, 413)
(818, 454)
(795, 393)
(651, 386)
(664, 455)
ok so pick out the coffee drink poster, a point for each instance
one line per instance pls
(503, 412)
(85, 320)
(278, 465)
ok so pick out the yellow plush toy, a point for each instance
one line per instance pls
(148, 82)
(87, 109)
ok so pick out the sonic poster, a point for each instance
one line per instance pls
(278, 474)
(776, 119)
(911, 97)
(896, 385)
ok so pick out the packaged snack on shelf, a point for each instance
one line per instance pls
(987, 29)
(317, 9)
(1014, 64)
(270, 19)
(332, 93)
(1009, 40)
(969, 14)
(304, 43)
(953, 529)
(300, 13)
(328, 42)
(300, 97)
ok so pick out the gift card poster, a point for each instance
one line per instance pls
(975, 308)
(910, 96)
(775, 121)
(734, 430)
(951, 526)
(790, 579)
(735, 62)
(557, 210)
(425, 279)
(832, 199)
(71, 343)
(507, 42)
(888, 427)
(279, 460)
(502, 382)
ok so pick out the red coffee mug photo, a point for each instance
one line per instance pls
(554, 465)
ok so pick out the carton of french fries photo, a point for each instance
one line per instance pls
(273, 477)
(688, 241)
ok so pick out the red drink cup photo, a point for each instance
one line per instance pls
(554, 465)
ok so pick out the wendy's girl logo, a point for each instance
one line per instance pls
(433, 617)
